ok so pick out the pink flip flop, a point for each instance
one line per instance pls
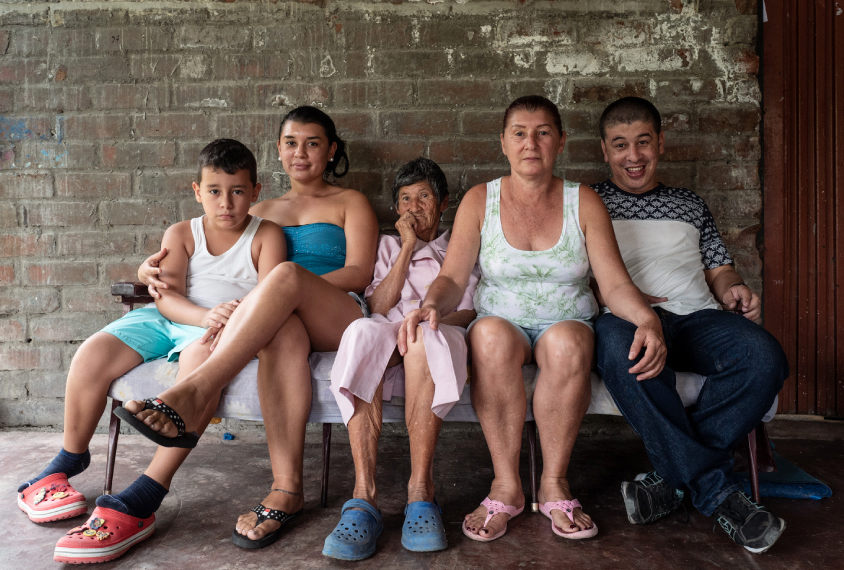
(567, 507)
(493, 508)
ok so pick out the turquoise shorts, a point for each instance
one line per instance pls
(150, 334)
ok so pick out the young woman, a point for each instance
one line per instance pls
(304, 304)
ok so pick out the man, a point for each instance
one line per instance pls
(673, 251)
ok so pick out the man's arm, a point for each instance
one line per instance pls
(729, 289)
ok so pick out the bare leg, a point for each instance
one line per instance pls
(99, 360)
(498, 394)
(323, 308)
(167, 460)
(423, 425)
(284, 389)
(364, 432)
(563, 392)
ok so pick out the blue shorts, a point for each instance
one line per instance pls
(150, 334)
(532, 335)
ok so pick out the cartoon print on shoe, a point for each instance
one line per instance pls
(52, 499)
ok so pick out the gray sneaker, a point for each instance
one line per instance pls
(748, 524)
(649, 498)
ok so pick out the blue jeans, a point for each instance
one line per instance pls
(745, 369)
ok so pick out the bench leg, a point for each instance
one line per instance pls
(326, 455)
(113, 433)
(531, 433)
(753, 465)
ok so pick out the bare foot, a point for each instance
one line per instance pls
(550, 490)
(279, 501)
(509, 495)
(183, 398)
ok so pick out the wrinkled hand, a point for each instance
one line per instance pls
(743, 301)
(148, 273)
(411, 321)
(406, 225)
(648, 336)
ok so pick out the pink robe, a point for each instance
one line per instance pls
(367, 344)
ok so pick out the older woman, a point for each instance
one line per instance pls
(534, 237)
(368, 367)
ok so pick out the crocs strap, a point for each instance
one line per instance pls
(362, 505)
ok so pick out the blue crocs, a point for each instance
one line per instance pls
(423, 529)
(354, 536)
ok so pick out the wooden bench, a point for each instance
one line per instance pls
(240, 400)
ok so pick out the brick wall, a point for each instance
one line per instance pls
(105, 106)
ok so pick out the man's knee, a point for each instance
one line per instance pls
(613, 338)
(765, 360)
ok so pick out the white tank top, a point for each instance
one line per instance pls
(534, 289)
(215, 279)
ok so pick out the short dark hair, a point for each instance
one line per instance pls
(531, 104)
(229, 156)
(421, 170)
(312, 115)
(629, 110)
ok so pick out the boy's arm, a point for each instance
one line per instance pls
(269, 248)
(174, 269)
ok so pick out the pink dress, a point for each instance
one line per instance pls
(367, 344)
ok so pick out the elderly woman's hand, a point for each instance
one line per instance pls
(411, 321)
(648, 336)
(149, 270)
(406, 225)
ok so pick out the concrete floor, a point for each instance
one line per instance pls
(223, 479)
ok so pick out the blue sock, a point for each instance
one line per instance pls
(65, 462)
(140, 499)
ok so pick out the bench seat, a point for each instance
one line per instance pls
(240, 397)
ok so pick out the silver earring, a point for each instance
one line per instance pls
(331, 159)
(279, 159)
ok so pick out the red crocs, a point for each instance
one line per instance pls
(106, 536)
(52, 499)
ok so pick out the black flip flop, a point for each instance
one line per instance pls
(183, 440)
(264, 514)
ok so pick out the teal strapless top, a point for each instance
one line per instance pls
(320, 248)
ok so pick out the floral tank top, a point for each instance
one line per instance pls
(534, 289)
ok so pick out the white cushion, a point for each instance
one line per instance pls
(240, 397)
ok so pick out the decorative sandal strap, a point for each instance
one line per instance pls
(266, 513)
(565, 506)
(159, 406)
(495, 507)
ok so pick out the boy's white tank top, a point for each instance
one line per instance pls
(215, 279)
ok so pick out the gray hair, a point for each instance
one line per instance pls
(421, 170)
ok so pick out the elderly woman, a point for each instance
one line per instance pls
(368, 368)
(534, 237)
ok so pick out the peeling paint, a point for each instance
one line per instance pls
(20, 129)
(218, 103)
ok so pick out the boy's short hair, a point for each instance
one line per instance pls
(629, 110)
(229, 156)
(421, 170)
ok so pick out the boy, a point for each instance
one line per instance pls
(214, 261)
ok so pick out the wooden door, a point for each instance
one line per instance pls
(803, 103)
